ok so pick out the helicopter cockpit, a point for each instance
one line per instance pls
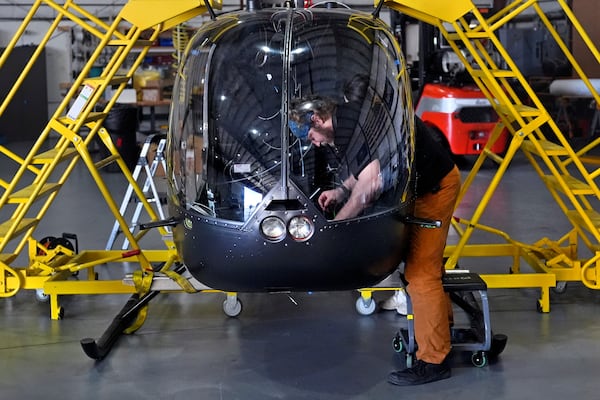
(245, 183)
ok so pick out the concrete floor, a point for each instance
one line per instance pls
(314, 347)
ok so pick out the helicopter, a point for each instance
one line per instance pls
(244, 181)
(244, 188)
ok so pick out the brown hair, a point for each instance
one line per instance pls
(324, 107)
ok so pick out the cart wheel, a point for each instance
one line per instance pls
(41, 296)
(365, 307)
(560, 287)
(479, 359)
(61, 312)
(397, 344)
(409, 360)
(232, 308)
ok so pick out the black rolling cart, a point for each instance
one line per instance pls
(469, 292)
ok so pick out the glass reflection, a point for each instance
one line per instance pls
(234, 141)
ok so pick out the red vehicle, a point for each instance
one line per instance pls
(462, 115)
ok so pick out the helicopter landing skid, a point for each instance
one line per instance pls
(126, 317)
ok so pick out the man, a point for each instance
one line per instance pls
(437, 188)
(314, 119)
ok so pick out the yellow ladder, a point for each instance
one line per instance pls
(44, 170)
(561, 168)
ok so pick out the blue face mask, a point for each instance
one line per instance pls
(300, 129)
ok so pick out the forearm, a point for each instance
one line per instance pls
(352, 208)
(363, 192)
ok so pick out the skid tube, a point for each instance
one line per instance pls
(97, 350)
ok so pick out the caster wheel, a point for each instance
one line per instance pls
(61, 313)
(365, 307)
(41, 296)
(232, 308)
(409, 361)
(479, 359)
(560, 288)
(397, 344)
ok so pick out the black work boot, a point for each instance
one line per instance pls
(422, 372)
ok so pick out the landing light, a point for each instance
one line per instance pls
(273, 228)
(301, 228)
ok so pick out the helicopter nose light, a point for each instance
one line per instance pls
(301, 228)
(273, 228)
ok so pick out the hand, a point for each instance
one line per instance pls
(329, 197)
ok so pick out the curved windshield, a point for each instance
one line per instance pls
(238, 140)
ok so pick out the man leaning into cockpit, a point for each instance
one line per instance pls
(314, 119)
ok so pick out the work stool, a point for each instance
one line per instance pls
(469, 292)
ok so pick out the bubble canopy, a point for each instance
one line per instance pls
(241, 144)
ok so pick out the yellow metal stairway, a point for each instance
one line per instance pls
(564, 171)
(65, 141)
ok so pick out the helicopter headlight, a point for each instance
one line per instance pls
(301, 228)
(273, 228)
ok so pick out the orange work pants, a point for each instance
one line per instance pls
(424, 268)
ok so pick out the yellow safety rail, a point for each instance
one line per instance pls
(42, 172)
(562, 169)
(61, 145)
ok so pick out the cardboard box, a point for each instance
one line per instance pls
(160, 171)
(151, 94)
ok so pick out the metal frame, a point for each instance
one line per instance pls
(563, 170)
(136, 26)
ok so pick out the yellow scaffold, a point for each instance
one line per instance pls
(61, 145)
(569, 175)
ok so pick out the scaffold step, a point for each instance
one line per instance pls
(594, 160)
(521, 109)
(497, 73)
(49, 156)
(574, 185)
(7, 258)
(456, 37)
(591, 215)
(547, 147)
(115, 80)
(91, 117)
(23, 195)
(108, 160)
(22, 226)
(124, 42)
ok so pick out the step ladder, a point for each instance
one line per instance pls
(156, 144)
(562, 169)
(68, 136)
(468, 294)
